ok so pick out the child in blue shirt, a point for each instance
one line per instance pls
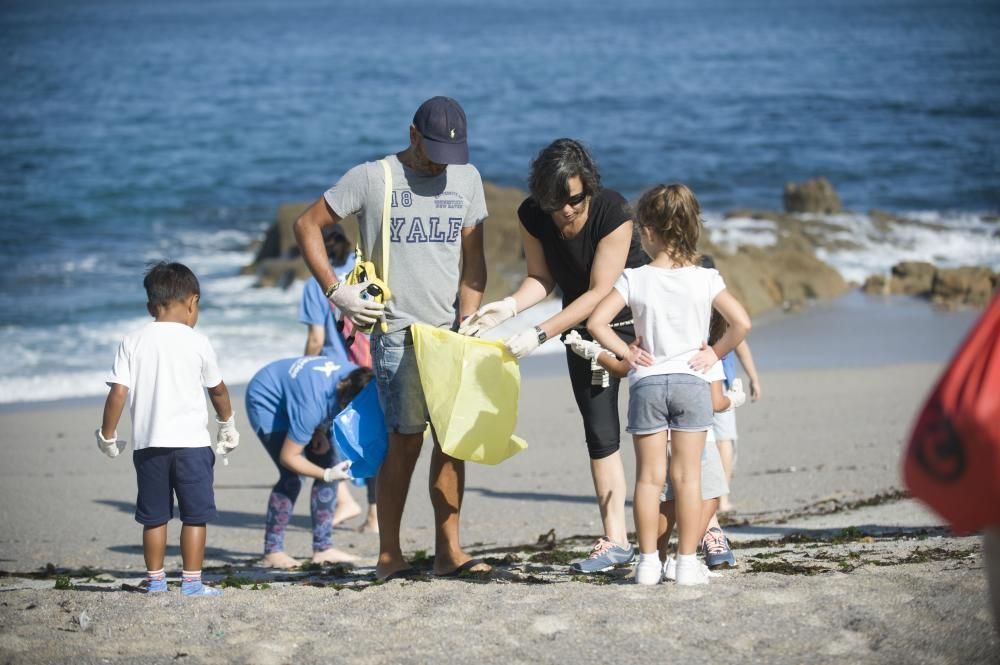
(290, 404)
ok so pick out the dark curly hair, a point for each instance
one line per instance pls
(554, 166)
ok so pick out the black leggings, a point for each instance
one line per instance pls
(598, 406)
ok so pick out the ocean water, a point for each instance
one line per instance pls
(131, 132)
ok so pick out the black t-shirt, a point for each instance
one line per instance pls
(570, 261)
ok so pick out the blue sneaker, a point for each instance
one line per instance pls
(197, 589)
(156, 586)
(716, 549)
(604, 556)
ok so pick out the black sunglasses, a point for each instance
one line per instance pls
(572, 201)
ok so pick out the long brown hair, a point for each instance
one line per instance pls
(672, 212)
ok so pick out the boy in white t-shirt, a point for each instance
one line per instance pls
(163, 370)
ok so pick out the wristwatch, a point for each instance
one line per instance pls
(330, 290)
(541, 335)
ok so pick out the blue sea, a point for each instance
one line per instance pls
(135, 131)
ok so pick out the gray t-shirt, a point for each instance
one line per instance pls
(426, 222)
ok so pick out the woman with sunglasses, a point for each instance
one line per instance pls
(578, 236)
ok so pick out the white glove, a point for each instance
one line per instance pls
(489, 316)
(340, 471)
(362, 312)
(736, 395)
(581, 347)
(111, 447)
(228, 438)
(523, 343)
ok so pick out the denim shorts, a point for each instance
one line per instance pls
(681, 402)
(399, 391)
(161, 473)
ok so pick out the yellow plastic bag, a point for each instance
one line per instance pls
(471, 386)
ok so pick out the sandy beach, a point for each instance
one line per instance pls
(836, 564)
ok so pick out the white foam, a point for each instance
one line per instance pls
(873, 248)
(250, 327)
(966, 240)
(734, 232)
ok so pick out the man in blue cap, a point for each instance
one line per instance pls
(436, 253)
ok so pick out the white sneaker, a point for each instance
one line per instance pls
(648, 572)
(670, 569)
(690, 573)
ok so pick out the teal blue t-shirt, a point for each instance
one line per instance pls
(295, 395)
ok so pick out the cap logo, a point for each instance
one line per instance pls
(452, 133)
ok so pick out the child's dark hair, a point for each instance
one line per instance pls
(672, 212)
(717, 327)
(169, 282)
(351, 385)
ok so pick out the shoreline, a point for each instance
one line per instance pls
(780, 340)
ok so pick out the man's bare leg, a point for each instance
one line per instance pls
(393, 486)
(447, 488)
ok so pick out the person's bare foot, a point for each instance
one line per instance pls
(278, 560)
(371, 522)
(333, 555)
(388, 565)
(347, 508)
(445, 566)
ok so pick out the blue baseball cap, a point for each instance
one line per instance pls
(441, 122)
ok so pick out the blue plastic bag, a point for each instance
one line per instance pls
(360, 435)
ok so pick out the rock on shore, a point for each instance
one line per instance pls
(967, 286)
(786, 273)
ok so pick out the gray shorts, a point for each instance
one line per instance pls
(681, 402)
(713, 476)
(724, 424)
(399, 389)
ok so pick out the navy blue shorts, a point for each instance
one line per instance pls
(160, 473)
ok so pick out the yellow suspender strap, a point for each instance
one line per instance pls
(386, 212)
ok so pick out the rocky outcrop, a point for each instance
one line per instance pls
(786, 274)
(279, 262)
(816, 195)
(968, 286)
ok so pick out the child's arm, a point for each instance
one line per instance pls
(107, 435)
(113, 407)
(314, 340)
(719, 400)
(219, 395)
(597, 326)
(227, 437)
(739, 325)
(746, 359)
(619, 368)
(724, 400)
(293, 458)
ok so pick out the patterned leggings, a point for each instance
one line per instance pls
(322, 501)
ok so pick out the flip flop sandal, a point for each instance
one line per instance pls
(467, 568)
